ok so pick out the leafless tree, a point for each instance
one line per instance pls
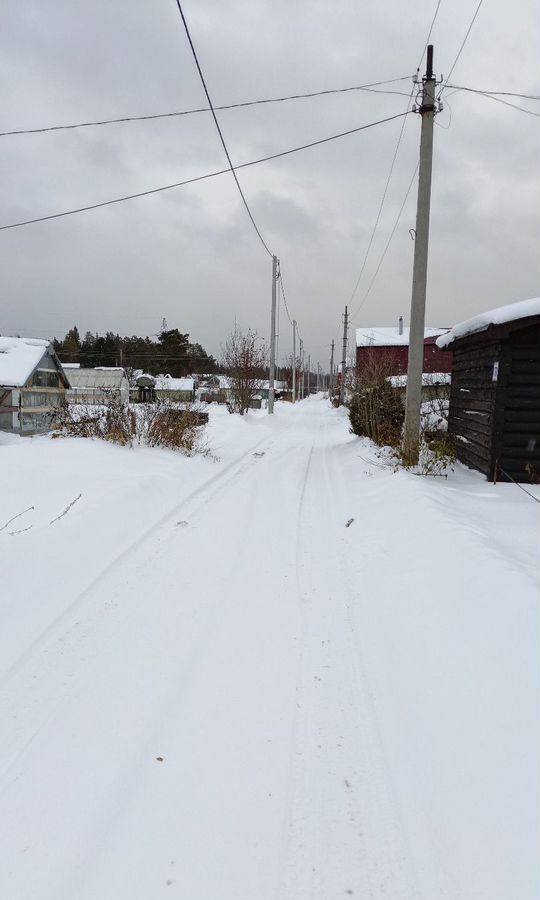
(244, 360)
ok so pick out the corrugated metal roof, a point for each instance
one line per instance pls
(80, 379)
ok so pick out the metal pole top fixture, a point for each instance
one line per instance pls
(429, 65)
(428, 103)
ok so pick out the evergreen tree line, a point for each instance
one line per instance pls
(171, 353)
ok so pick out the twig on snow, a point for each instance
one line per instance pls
(16, 517)
(67, 509)
(21, 531)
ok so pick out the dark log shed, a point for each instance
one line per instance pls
(495, 399)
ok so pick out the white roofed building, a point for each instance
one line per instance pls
(169, 388)
(97, 385)
(32, 385)
(392, 344)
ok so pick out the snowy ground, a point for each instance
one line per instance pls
(214, 688)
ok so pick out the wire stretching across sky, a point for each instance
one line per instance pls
(168, 187)
(460, 51)
(222, 139)
(368, 88)
(387, 245)
(493, 95)
(392, 165)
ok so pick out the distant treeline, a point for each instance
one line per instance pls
(171, 353)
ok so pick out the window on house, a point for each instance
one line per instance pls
(45, 378)
(34, 398)
(35, 421)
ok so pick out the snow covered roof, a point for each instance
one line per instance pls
(167, 383)
(18, 359)
(221, 381)
(84, 379)
(278, 385)
(71, 365)
(427, 379)
(521, 310)
(390, 337)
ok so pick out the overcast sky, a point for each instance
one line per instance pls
(191, 254)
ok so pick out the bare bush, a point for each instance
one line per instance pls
(244, 358)
(167, 425)
(376, 409)
(111, 420)
(161, 424)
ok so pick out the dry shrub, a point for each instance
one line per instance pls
(177, 429)
(110, 420)
(161, 424)
(120, 423)
(376, 409)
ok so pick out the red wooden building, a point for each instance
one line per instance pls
(393, 343)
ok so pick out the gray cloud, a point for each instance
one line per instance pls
(191, 254)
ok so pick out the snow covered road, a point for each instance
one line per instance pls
(289, 674)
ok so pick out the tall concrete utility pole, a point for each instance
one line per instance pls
(344, 357)
(413, 398)
(294, 361)
(331, 382)
(272, 372)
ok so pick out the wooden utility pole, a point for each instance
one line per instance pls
(331, 382)
(413, 397)
(344, 357)
(272, 371)
(294, 361)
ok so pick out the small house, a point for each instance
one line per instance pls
(214, 389)
(97, 385)
(434, 385)
(280, 389)
(176, 389)
(392, 345)
(33, 385)
(494, 410)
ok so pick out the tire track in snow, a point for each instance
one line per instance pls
(400, 853)
(46, 673)
(344, 834)
(237, 465)
(221, 620)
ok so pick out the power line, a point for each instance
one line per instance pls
(381, 205)
(460, 87)
(282, 289)
(465, 39)
(222, 139)
(491, 96)
(393, 162)
(168, 187)
(369, 88)
(435, 14)
(389, 241)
